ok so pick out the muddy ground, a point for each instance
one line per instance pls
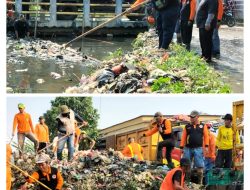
(232, 55)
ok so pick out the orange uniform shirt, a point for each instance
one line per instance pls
(59, 178)
(77, 135)
(23, 123)
(168, 129)
(220, 10)
(8, 169)
(133, 149)
(211, 147)
(42, 133)
(192, 8)
(167, 183)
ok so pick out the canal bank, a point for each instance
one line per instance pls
(23, 70)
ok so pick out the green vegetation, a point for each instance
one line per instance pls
(116, 54)
(203, 78)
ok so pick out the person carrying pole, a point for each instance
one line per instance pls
(163, 126)
(42, 133)
(133, 150)
(65, 124)
(175, 178)
(23, 122)
(192, 139)
(49, 176)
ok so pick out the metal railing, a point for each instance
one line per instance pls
(84, 10)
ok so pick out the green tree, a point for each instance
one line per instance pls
(83, 106)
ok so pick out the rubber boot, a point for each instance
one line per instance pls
(187, 47)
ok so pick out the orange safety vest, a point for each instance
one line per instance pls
(167, 183)
(138, 154)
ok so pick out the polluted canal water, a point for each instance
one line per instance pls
(33, 74)
(42, 67)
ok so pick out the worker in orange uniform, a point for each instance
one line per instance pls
(176, 177)
(163, 126)
(216, 38)
(42, 133)
(210, 155)
(77, 136)
(8, 168)
(47, 175)
(133, 150)
(193, 136)
(23, 122)
(187, 14)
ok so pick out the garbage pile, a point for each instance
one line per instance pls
(98, 170)
(44, 50)
(152, 70)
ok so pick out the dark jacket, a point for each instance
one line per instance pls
(206, 9)
(22, 27)
(166, 4)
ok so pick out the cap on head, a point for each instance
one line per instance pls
(83, 132)
(64, 109)
(228, 116)
(185, 162)
(158, 114)
(21, 106)
(194, 113)
(42, 158)
(41, 117)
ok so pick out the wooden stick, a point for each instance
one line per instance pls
(57, 141)
(105, 23)
(25, 173)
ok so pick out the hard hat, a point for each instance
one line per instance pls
(41, 158)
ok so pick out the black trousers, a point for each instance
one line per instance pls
(224, 159)
(206, 42)
(42, 145)
(166, 20)
(169, 144)
(186, 32)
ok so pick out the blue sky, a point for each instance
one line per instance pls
(116, 109)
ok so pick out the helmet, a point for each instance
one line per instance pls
(41, 158)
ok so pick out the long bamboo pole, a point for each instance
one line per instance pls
(105, 23)
(57, 140)
(19, 169)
